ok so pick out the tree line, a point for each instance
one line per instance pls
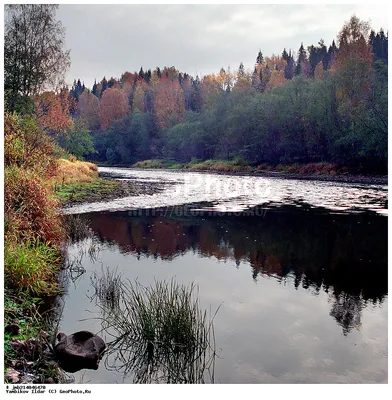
(322, 104)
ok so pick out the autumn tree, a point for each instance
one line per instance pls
(34, 55)
(88, 109)
(168, 102)
(170, 72)
(225, 79)
(114, 105)
(52, 111)
(210, 87)
(140, 96)
(319, 71)
(353, 62)
(277, 79)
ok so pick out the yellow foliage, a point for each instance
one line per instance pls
(74, 171)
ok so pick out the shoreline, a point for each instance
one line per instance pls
(341, 178)
(121, 189)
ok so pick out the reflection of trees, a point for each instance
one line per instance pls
(347, 310)
(346, 253)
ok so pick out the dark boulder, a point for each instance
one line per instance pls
(78, 351)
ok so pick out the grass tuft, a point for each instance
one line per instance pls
(160, 331)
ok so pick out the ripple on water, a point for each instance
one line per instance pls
(236, 193)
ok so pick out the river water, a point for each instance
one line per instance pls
(297, 270)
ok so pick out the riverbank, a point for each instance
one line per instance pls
(34, 234)
(104, 189)
(346, 177)
(312, 171)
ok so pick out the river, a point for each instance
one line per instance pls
(296, 269)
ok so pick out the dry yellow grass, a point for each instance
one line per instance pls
(75, 171)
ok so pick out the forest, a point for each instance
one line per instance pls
(322, 104)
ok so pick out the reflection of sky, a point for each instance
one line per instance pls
(266, 331)
(236, 193)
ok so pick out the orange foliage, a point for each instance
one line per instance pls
(114, 106)
(170, 72)
(275, 63)
(210, 87)
(319, 71)
(128, 77)
(89, 107)
(169, 104)
(225, 79)
(277, 79)
(353, 62)
(53, 110)
(242, 84)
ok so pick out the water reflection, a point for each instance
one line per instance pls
(343, 255)
(347, 310)
(161, 335)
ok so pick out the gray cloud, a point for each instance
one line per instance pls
(107, 40)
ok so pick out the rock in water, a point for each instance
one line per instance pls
(78, 351)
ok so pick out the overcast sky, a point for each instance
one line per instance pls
(107, 40)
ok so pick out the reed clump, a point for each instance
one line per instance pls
(160, 332)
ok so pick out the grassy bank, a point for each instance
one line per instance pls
(310, 171)
(33, 233)
(74, 171)
(239, 165)
(77, 192)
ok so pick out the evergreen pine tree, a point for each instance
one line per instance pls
(259, 58)
(289, 69)
(147, 76)
(332, 51)
(241, 70)
(300, 60)
(104, 84)
(95, 88)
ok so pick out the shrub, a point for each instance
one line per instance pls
(27, 146)
(30, 210)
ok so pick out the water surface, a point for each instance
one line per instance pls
(302, 289)
(236, 193)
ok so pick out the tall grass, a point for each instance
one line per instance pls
(31, 268)
(69, 171)
(160, 332)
